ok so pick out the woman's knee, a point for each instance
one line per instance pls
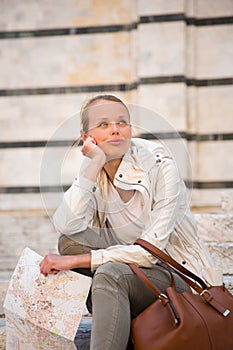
(111, 274)
(69, 246)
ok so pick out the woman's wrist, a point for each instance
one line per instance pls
(92, 171)
(78, 261)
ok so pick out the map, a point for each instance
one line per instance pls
(43, 312)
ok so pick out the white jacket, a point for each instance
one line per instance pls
(170, 225)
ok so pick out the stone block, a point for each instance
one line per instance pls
(83, 60)
(214, 161)
(213, 103)
(215, 227)
(222, 254)
(191, 33)
(20, 230)
(228, 280)
(32, 202)
(34, 15)
(214, 52)
(227, 201)
(35, 118)
(3, 290)
(213, 8)
(211, 160)
(13, 173)
(50, 166)
(2, 334)
(160, 7)
(167, 101)
(208, 200)
(166, 56)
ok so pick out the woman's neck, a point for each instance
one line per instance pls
(111, 168)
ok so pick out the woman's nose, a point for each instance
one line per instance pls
(114, 128)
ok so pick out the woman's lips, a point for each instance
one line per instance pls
(116, 142)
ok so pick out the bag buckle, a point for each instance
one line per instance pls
(162, 296)
(209, 299)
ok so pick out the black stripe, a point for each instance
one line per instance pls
(162, 80)
(68, 89)
(117, 87)
(189, 20)
(68, 31)
(162, 18)
(33, 189)
(187, 136)
(209, 82)
(185, 80)
(118, 27)
(35, 144)
(209, 21)
(146, 136)
(212, 184)
(50, 189)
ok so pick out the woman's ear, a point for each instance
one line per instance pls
(83, 135)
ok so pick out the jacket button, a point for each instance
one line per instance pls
(183, 262)
(120, 175)
(139, 181)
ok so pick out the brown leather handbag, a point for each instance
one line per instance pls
(183, 321)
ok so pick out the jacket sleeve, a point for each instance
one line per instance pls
(168, 206)
(77, 207)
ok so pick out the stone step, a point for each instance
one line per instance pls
(35, 230)
(2, 334)
(216, 227)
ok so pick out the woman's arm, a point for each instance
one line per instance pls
(53, 263)
(77, 208)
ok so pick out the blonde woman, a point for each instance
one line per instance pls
(127, 188)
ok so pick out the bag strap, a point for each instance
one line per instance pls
(144, 278)
(161, 296)
(183, 273)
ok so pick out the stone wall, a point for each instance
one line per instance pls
(170, 60)
(171, 57)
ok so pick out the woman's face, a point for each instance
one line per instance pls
(109, 125)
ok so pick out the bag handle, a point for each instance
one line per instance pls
(183, 273)
(146, 280)
(161, 296)
(177, 268)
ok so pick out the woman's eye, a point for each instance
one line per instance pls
(123, 122)
(103, 124)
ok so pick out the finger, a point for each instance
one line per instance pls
(92, 140)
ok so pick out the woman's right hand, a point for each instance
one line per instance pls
(92, 151)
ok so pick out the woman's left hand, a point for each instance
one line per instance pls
(53, 263)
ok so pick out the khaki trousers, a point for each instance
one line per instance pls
(117, 293)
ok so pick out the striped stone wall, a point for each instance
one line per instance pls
(172, 60)
(171, 57)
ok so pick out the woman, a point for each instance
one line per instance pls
(127, 188)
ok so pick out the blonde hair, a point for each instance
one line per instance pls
(90, 102)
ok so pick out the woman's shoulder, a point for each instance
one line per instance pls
(149, 153)
(147, 146)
